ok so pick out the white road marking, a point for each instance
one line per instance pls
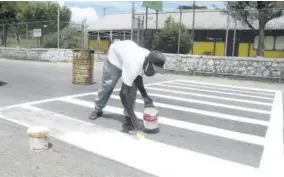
(209, 96)
(214, 91)
(228, 86)
(203, 112)
(181, 124)
(273, 149)
(208, 103)
(75, 95)
(220, 88)
(127, 149)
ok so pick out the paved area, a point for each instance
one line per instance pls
(61, 160)
(220, 127)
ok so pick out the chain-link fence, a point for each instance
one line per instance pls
(43, 34)
(101, 40)
(214, 32)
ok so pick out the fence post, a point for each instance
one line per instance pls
(227, 32)
(132, 21)
(179, 29)
(193, 23)
(27, 31)
(82, 33)
(98, 44)
(58, 26)
(138, 31)
(157, 20)
(234, 39)
(110, 35)
(3, 35)
(142, 31)
(85, 34)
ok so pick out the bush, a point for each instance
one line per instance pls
(167, 39)
(70, 38)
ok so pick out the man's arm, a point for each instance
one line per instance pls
(140, 86)
(124, 93)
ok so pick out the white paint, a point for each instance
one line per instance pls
(208, 103)
(166, 160)
(68, 96)
(181, 124)
(209, 96)
(214, 91)
(43, 101)
(36, 109)
(203, 112)
(272, 161)
(221, 88)
(229, 86)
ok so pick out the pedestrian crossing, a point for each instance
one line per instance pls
(204, 128)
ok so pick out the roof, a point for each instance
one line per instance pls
(203, 20)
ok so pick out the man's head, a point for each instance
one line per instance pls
(154, 63)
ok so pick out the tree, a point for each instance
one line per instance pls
(191, 7)
(70, 37)
(249, 11)
(44, 14)
(167, 39)
(8, 13)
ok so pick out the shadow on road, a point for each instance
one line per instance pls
(2, 83)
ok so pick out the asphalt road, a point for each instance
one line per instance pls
(213, 125)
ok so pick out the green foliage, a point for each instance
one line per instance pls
(8, 14)
(263, 13)
(33, 11)
(69, 38)
(167, 39)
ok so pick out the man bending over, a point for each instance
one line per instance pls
(128, 60)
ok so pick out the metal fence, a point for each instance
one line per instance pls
(211, 32)
(43, 34)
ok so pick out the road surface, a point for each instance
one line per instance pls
(207, 125)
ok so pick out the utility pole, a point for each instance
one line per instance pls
(193, 23)
(132, 20)
(104, 11)
(58, 27)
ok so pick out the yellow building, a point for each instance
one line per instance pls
(212, 34)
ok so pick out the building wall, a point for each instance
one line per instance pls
(102, 45)
(247, 50)
(212, 42)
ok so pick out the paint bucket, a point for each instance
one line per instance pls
(150, 118)
(38, 138)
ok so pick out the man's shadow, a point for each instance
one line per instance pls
(125, 127)
(2, 83)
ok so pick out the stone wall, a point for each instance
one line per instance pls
(39, 54)
(236, 66)
(186, 64)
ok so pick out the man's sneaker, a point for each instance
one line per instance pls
(95, 114)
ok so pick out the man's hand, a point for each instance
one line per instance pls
(148, 102)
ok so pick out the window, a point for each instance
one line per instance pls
(279, 43)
